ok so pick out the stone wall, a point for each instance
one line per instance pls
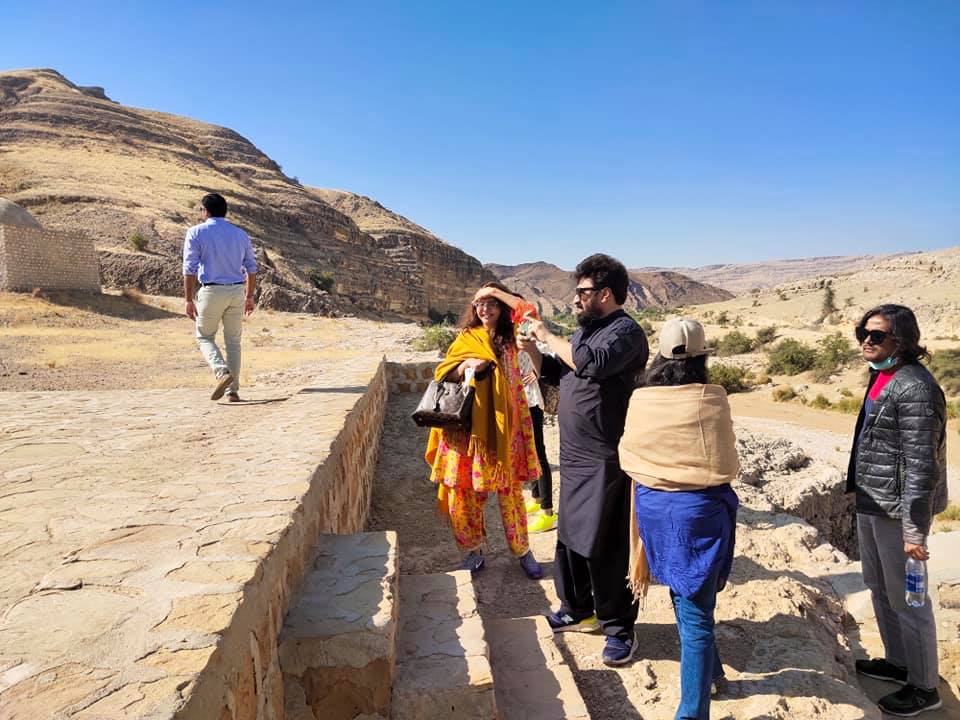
(31, 258)
(409, 377)
(244, 681)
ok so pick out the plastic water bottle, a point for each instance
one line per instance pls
(916, 582)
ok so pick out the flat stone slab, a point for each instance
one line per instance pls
(443, 668)
(531, 679)
(338, 644)
(136, 527)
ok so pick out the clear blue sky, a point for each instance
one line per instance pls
(666, 133)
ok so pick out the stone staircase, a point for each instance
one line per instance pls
(362, 641)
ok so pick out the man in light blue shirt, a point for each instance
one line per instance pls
(219, 257)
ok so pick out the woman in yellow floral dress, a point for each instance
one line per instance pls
(498, 454)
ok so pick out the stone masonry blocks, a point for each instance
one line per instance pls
(246, 681)
(443, 661)
(31, 258)
(410, 377)
(338, 644)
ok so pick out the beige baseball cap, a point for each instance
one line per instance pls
(682, 338)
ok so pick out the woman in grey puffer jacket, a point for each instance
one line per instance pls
(898, 471)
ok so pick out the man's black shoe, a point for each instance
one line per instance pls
(880, 669)
(909, 701)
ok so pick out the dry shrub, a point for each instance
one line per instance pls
(133, 294)
(784, 394)
(820, 402)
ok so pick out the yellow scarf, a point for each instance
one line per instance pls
(490, 424)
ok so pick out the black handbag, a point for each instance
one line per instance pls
(447, 405)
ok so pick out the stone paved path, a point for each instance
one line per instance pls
(131, 524)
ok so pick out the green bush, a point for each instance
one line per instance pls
(783, 394)
(835, 350)
(734, 343)
(829, 306)
(723, 319)
(953, 410)
(791, 357)
(766, 335)
(435, 337)
(561, 324)
(733, 379)
(945, 366)
(833, 353)
(650, 313)
(848, 405)
(139, 241)
(322, 280)
(820, 402)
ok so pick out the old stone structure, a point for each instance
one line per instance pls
(32, 257)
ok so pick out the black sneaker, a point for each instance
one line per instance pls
(909, 701)
(880, 669)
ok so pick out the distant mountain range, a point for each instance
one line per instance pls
(552, 287)
(740, 278)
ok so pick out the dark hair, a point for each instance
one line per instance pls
(903, 325)
(503, 336)
(214, 204)
(667, 371)
(605, 271)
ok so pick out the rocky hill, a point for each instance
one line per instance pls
(80, 162)
(740, 278)
(434, 263)
(928, 282)
(552, 287)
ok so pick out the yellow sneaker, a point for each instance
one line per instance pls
(532, 506)
(542, 523)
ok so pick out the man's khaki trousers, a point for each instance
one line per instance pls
(218, 304)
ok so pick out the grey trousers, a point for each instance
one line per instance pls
(909, 634)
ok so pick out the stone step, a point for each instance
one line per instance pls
(339, 640)
(443, 663)
(532, 680)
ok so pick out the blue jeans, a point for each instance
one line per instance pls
(699, 659)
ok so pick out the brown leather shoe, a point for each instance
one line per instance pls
(233, 397)
(225, 381)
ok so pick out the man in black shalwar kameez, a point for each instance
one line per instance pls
(597, 372)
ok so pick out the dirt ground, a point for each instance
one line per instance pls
(80, 341)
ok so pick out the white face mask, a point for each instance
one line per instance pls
(884, 364)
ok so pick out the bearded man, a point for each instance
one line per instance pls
(597, 372)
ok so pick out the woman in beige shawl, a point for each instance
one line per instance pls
(678, 447)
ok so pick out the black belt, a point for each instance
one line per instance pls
(209, 284)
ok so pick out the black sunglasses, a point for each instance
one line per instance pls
(877, 337)
(581, 290)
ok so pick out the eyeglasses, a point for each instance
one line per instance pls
(488, 304)
(581, 290)
(877, 337)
